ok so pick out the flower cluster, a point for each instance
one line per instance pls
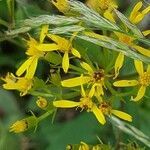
(95, 82)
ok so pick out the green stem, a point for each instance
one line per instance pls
(45, 115)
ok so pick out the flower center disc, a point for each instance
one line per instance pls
(145, 79)
(98, 76)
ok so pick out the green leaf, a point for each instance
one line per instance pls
(92, 18)
(131, 130)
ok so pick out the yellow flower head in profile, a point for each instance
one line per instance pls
(19, 126)
(142, 82)
(24, 124)
(106, 109)
(21, 84)
(92, 76)
(136, 15)
(104, 7)
(30, 65)
(65, 46)
(61, 5)
(84, 103)
(128, 40)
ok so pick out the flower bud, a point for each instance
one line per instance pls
(42, 103)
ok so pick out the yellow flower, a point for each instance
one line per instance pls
(136, 15)
(106, 109)
(30, 65)
(21, 84)
(104, 7)
(130, 42)
(24, 124)
(65, 46)
(62, 5)
(142, 82)
(91, 76)
(84, 103)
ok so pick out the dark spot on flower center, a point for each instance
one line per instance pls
(98, 75)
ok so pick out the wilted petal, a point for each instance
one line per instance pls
(75, 81)
(65, 104)
(125, 83)
(122, 115)
(140, 93)
(99, 115)
(139, 66)
(65, 62)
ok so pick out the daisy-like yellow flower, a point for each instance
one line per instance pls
(104, 7)
(106, 109)
(92, 76)
(30, 65)
(21, 84)
(136, 15)
(130, 42)
(65, 46)
(61, 5)
(143, 81)
(84, 103)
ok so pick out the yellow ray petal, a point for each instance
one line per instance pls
(82, 91)
(122, 115)
(140, 93)
(65, 62)
(98, 114)
(75, 53)
(108, 15)
(142, 50)
(32, 68)
(119, 63)
(136, 8)
(146, 32)
(65, 104)
(24, 66)
(43, 33)
(125, 83)
(92, 91)
(57, 38)
(10, 86)
(146, 10)
(47, 47)
(139, 66)
(87, 67)
(75, 81)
